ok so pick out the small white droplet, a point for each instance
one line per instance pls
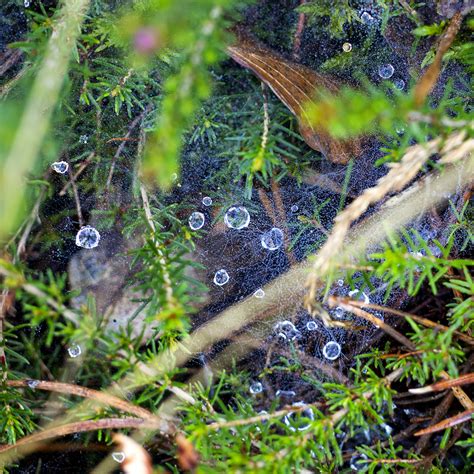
(174, 177)
(340, 282)
(237, 217)
(255, 387)
(311, 325)
(32, 383)
(118, 456)
(26, 3)
(87, 237)
(347, 47)
(386, 71)
(74, 351)
(221, 277)
(367, 18)
(399, 84)
(286, 330)
(196, 220)
(259, 293)
(360, 295)
(332, 350)
(285, 393)
(294, 208)
(300, 420)
(60, 167)
(273, 239)
(207, 201)
(83, 139)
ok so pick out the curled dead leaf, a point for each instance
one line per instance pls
(296, 86)
(135, 459)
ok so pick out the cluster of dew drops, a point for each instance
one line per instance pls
(237, 217)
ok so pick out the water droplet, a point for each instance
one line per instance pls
(196, 220)
(207, 201)
(347, 47)
(26, 3)
(340, 282)
(84, 139)
(357, 462)
(60, 167)
(237, 217)
(386, 71)
(399, 84)
(74, 351)
(32, 383)
(287, 330)
(311, 325)
(118, 456)
(332, 350)
(221, 277)
(339, 312)
(87, 237)
(259, 293)
(174, 177)
(360, 295)
(299, 420)
(273, 239)
(285, 393)
(294, 208)
(367, 18)
(255, 387)
(400, 130)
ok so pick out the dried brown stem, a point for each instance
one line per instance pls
(419, 319)
(333, 301)
(70, 389)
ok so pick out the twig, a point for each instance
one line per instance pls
(447, 423)
(72, 180)
(259, 418)
(332, 301)
(29, 443)
(71, 389)
(282, 214)
(76, 175)
(299, 33)
(424, 321)
(32, 218)
(428, 80)
(120, 149)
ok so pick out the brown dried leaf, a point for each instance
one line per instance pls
(295, 85)
(188, 458)
(137, 460)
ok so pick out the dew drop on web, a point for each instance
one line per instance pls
(87, 237)
(196, 220)
(273, 239)
(221, 277)
(60, 167)
(207, 201)
(237, 217)
(332, 350)
(74, 351)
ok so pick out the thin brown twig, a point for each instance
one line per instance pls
(334, 301)
(419, 319)
(77, 200)
(71, 389)
(120, 149)
(29, 443)
(76, 175)
(282, 215)
(298, 33)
